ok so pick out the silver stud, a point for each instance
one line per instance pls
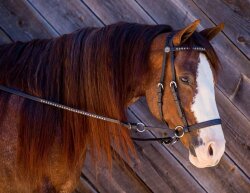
(167, 49)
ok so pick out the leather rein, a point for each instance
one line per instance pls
(176, 133)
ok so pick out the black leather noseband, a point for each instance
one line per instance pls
(175, 134)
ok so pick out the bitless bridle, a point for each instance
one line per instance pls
(179, 130)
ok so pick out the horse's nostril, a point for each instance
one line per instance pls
(210, 150)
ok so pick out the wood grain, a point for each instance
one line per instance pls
(66, 16)
(85, 186)
(241, 96)
(4, 38)
(114, 11)
(237, 25)
(22, 22)
(236, 130)
(119, 179)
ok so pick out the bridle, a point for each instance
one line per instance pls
(175, 134)
(180, 130)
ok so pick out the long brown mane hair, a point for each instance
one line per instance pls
(93, 69)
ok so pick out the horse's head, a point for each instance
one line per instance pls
(195, 78)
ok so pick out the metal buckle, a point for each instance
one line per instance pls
(176, 133)
(160, 85)
(140, 125)
(173, 83)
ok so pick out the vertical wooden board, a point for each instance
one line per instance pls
(21, 22)
(233, 62)
(114, 11)
(212, 179)
(66, 16)
(237, 26)
(165, 165)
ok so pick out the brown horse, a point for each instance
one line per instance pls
(99, 70)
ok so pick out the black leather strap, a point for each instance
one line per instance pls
(174, 84)
(202, 125)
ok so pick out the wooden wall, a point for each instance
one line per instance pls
(161, 168)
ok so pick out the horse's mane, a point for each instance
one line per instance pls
(93, 69)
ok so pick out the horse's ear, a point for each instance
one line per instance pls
(210, 33)
(182, 35)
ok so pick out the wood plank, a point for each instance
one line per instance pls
(84, 186)
(233, 13)
(241, 96)
(212, 179)
(119, 179)
(237, 26)
(114, 11)
(66, 16)
(236, 130)
(4, 38)
(21, 22)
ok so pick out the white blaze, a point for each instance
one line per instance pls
(205, 108)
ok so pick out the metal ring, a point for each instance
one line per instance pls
(141, 131)
(160, 85)
(176, 129)
(173, 83)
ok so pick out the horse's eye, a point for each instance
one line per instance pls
(185, 80)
